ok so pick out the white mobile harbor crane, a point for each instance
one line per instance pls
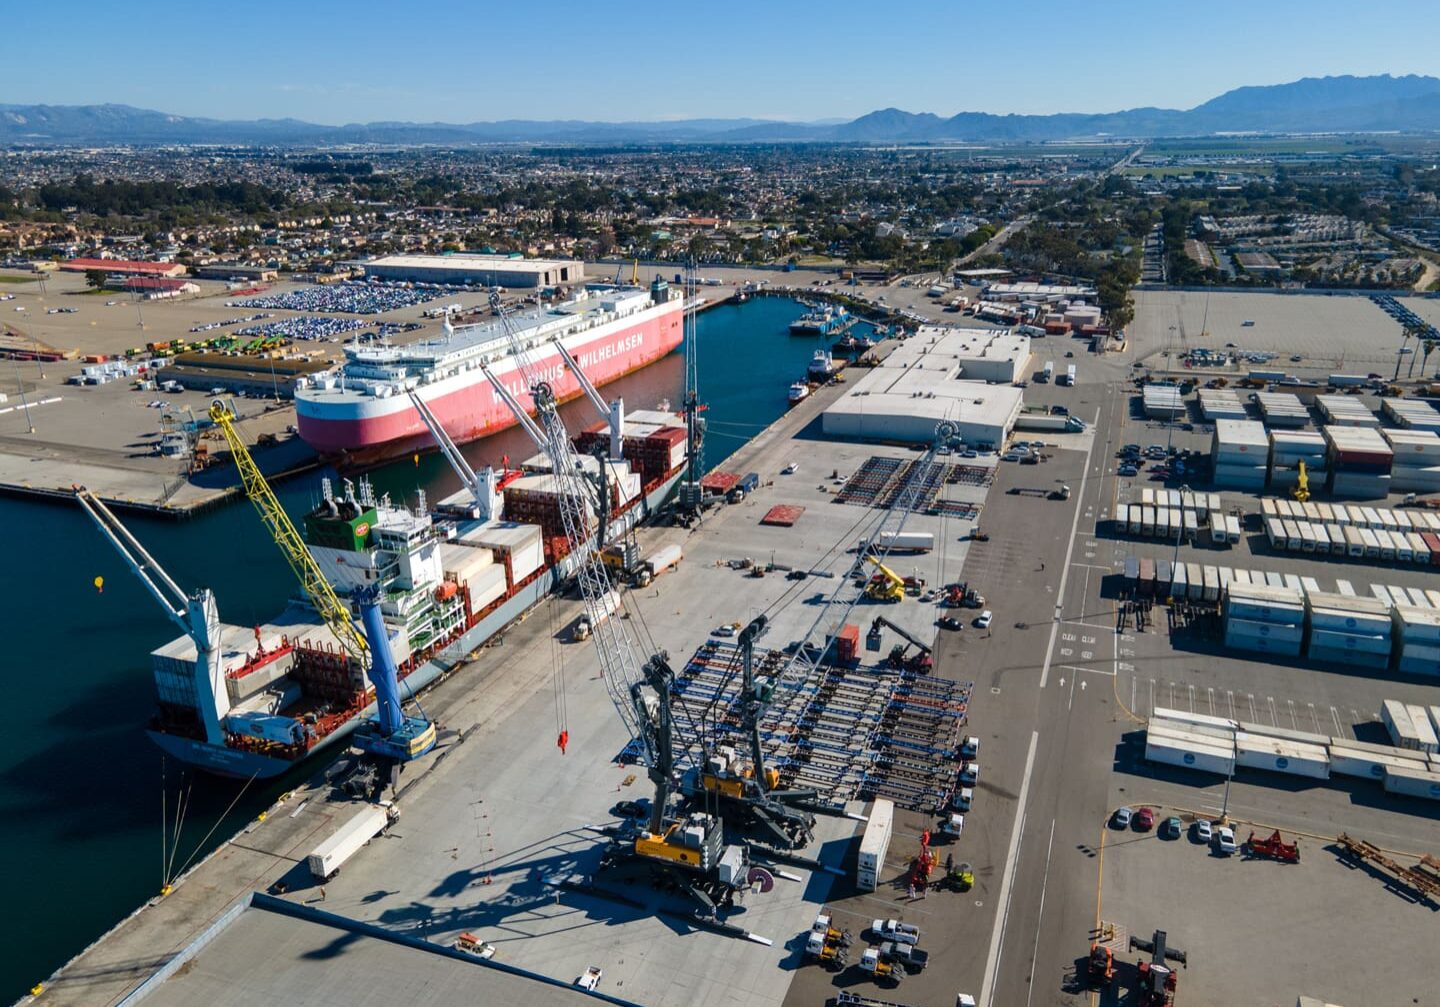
(195, 613)
(687, 853)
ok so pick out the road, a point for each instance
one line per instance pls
(1053, 678)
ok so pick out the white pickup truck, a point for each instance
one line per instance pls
(894, 930)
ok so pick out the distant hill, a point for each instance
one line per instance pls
(1314, 104)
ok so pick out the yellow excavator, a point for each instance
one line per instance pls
(887, 585)
(1301, 491)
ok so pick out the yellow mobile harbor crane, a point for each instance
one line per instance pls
(390, 733)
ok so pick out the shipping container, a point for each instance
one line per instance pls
(909, 541)
(1210, 756)
(1424, 729)
(1211, 584)
(875, 844)
(1413, 783)
(1395, 715)
(1282, 756)
(1136, 519)
(1372, 544)
(1178, 586)
(1195, 578)
(1147, 576)
(1147, 521)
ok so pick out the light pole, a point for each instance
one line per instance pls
(1225, 802)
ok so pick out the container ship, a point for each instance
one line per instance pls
(822, 321)
(361, 414)
(449, 579)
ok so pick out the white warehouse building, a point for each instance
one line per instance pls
(479, 269)
(964, 376)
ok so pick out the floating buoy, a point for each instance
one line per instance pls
(100, 584)
(416, 456)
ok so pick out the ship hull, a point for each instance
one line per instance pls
(222, 760)
(359, 429)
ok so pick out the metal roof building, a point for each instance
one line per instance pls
(474, 268)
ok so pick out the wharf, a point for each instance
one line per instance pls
(498, 813)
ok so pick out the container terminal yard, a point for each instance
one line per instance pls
(1015, 622)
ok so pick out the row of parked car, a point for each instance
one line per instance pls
(1205, 833)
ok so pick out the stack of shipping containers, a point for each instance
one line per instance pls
(1280, 409)
(1413, 414)
(1239, 451)
(1352, 631)
(1262, 618)
(1416, 466)
(1418, 640)
(1360, 462)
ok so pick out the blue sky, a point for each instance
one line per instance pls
(455, 61)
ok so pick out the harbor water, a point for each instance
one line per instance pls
(83, 792)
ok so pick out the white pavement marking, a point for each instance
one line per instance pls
(1065, 567)
(997, 936)
(1040, 918)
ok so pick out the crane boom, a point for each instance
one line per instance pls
(196, 614)
(481, 487)
(334, 611)
(615, 643)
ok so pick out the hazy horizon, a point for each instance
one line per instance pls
(442, 61)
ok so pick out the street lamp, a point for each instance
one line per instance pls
(25, 402)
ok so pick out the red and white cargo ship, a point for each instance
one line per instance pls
(361, 414)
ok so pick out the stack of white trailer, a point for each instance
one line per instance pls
(1416, 467)
(1345, 630)
(1288, 448)
(1240, 451)
(1262, 618)
(1418, 629)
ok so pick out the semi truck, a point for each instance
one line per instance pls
(1049, 421)
(327, 858)
(1068, 378)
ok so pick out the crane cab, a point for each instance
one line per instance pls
(729, 776)
(695, 843)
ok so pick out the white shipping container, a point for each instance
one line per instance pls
(1420, 719)
(1349, 761)
(1295, 758)
(875, 844)
(486, 587)
(1413, 783)
(1212, 758)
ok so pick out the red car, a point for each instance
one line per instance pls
(1144, 820)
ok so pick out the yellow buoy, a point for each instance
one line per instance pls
(100, 584)
(417, 460)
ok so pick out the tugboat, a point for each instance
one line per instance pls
(854, 344)
(798, 391)
(823, 367)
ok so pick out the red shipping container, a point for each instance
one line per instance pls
(847, 643)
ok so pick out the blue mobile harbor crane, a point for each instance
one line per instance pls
(389, 733)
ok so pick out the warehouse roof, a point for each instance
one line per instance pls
(948, 348)
(476, 262)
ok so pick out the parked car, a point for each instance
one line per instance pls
(629, 809)
(1172, 828)
(1225, 840)
(950, 622)
(1129, 470)
(1121, 818)
(983, 620)
(1144, 820)
(1202, 832)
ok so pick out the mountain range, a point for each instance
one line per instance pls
(1314, 104)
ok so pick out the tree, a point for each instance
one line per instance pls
(95, 278)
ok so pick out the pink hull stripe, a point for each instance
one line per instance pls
(378, 428)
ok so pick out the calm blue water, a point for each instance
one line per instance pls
(81, 786)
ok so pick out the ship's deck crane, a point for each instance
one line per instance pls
(690, 853)
(196, 614)
(390, 733)
(483, 486)
(613, 412)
